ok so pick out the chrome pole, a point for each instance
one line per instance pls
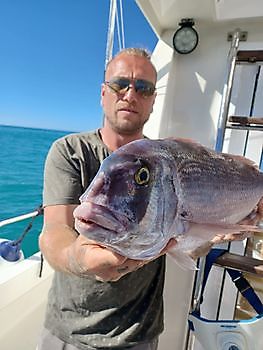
(223, 116)
(226, 96)
(196, 298)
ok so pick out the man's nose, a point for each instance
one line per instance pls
(130, 94)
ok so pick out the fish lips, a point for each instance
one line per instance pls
(88, 213)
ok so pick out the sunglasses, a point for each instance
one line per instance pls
(121, 85)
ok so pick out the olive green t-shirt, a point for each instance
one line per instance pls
(82, 311)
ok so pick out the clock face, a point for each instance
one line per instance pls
(185, 40)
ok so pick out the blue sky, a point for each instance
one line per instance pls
(52, 55)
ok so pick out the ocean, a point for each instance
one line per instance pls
(22, 157)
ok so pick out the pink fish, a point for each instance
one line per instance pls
(150, 191)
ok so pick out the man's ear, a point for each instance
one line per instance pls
(102, 93)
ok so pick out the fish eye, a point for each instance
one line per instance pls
(142, 176)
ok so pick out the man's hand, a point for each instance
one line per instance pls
(252, 219)
(69, 252)
(88, 258)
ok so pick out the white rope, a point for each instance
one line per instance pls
(110, 35)
(122, 26)
(114, 17)
(118, 29)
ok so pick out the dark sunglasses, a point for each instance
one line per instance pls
(122, 85)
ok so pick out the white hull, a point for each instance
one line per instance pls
(23, 302)
(188, 105)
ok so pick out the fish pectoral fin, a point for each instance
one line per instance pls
(238, 228)
(182, 259)
(209, 231)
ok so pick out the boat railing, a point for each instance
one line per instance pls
(10, 250)
(20, 217)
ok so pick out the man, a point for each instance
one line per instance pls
(99, 299)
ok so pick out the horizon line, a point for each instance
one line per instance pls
(37, 128)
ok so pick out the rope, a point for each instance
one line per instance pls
(110, 35)
(39, 211)
(122, 26)
(118, 30)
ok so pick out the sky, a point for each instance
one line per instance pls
(52, 56)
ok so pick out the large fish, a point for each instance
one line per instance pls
(149, 191)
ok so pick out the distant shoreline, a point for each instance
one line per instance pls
(35, 128)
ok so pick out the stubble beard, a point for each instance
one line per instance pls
(126, 127)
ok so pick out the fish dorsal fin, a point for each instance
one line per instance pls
(185, 140)
(188, 142)
(242, 159)
(237, 157)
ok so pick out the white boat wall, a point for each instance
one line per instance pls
(23, 302)
(189, 94)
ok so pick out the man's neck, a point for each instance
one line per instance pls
(114, 140)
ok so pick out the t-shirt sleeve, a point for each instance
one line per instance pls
(62, 183)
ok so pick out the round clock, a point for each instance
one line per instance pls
(185, 39)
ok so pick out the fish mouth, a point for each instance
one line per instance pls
(88, 213)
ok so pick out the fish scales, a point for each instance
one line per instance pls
(226, 180)
(150, 191)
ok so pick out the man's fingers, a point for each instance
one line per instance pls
(115, 273)
(255, 216)
(103, 257)
(97, 256)
(107, 265)
(260, 208)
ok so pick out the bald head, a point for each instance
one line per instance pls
(144, 54)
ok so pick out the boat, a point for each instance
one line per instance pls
(209, 58)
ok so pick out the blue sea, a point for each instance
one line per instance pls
(22, 157)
